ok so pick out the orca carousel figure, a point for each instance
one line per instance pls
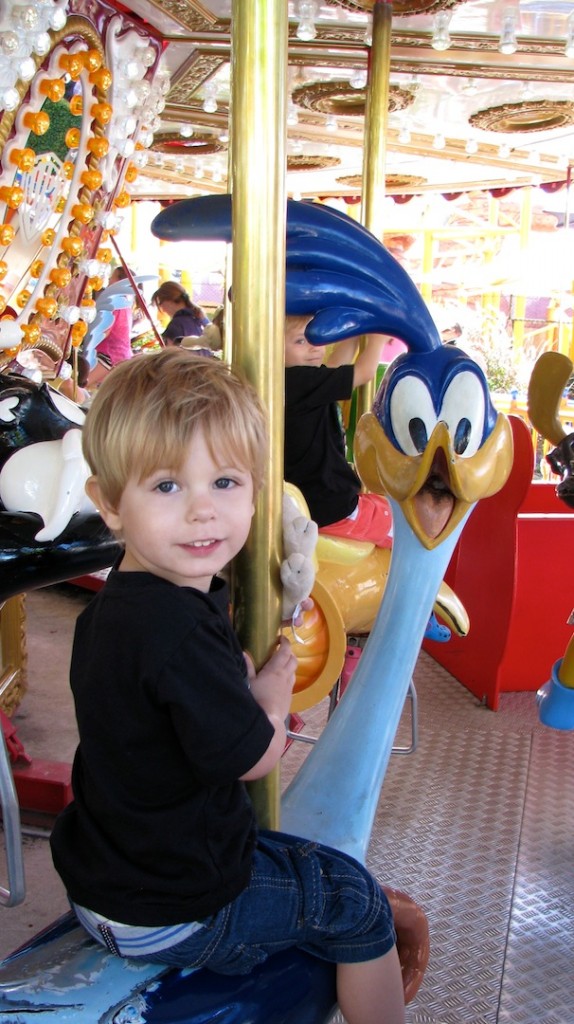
(436, 445)
(49, 530)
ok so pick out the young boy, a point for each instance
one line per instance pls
(159, 850)
(315, 459)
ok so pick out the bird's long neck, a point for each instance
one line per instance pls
(334, 796)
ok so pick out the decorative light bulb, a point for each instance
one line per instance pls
(41, 44)
(147, 55)
(508, 43)
(441, 37)
(569, 47)
(27, 69)
(292, 114)
(57, 19)
(358, 79)
(70, 314)
(306, 13)
(9, 100)
(9, 43)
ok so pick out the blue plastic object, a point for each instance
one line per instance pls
(64, 975)
(337, 272)
(556, 702)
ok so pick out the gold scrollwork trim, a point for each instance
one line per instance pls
(302, 162)
(200, 144)
(395, 181)
(526, 116)
(339, 98)
(400, 7)
(188, 13)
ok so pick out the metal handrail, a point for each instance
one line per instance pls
(16, 890)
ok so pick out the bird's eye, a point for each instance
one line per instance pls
(412, 414)
(463, 410)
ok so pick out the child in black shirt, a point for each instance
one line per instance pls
(159, 850)
(315, 458)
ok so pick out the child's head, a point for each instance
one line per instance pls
(147, 410)
(299, 351)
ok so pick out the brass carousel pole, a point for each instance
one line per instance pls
(374, 151)
(258, 160)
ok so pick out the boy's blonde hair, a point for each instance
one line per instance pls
(148, 408)
(295, 324)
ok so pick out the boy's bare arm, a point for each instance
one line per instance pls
(365, 366)
(272, 688)
(343, 352)
(368, 359)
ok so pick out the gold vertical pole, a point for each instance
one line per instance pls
(13, 652)
(258, 158)
(375, 147)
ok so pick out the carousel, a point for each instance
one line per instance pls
(285, 130)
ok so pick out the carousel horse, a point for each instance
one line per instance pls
(435, 444)
(550, 376)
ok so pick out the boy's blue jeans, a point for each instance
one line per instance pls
(301, 894)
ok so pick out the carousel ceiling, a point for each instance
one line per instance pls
(481, 95)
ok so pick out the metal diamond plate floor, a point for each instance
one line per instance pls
(478, 826)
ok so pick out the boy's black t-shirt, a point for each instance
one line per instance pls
(315, 459)
(160, 831)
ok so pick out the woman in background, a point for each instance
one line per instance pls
(186, 318)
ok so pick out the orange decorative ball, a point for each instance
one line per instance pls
(37, 123)
(48, 237)
(61, 276)
(101, 112)
(53, 88)
(37, 268)
(98, 146)
(78, 333)
(12, 195)
(47, 306)
(91, 179)
(122, 200)
(72, 245)
(83, 212)
(76, 106)
(32, 333)
(102, 79)
(7, 234)
(23, 158)
(72, 138)
(93, 60)
(72, 63)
